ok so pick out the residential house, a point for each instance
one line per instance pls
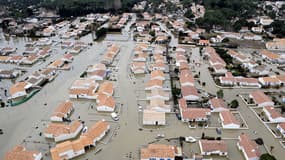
(159, 105)
(269, 81)
(248, 147)
(228, 120)
(61, 132)
(194, 114)
(186, 78)
(138, 67)
(213, 147)
(19, 90)
(157, 75)
(154, 84)
(106, 88)
(21, 153)
(105, 103)
(83, 88)
(260, 99)
(276, 44)
(273, 115)
(217, 105)
(190, 93)
(62, 112)
(157, 94)
(67, 150)
(151, 117)
(159, 152)
(8, 74)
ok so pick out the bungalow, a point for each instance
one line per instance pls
(62, 112)
(213, 147)
(151, 117)
(180, 58)
(140, 57)
(4, 59)
(248, 147)
(47, 32)
(273, 115)
(19, 90)
(67, 150)
(194, 114)
(15, 59)
(269, 81)
(281, 128)
(36, 79)
(265, 20)
(231, 81)
(48, 73)
(83, 88)
(97, 71)
(217, 60)
(31, 50)
(157, 75)
(76, 50)
(106, 88)
(95, 133)
(219, 69)
(158, 66)
(8, 74)
(67, 44)
(270, 56)
(138, 67)
(57, 64)
(7, 50)
(250, 82)
(159, 152)
(217, 105)
(61, 132)
(259, 70)
(45, 52)
(105, 103)
(276, 44)
(29, 60)
(228, 120)
(183, 66)
(204, 42)
(186, 78)
(158, 94)
(96, 67)
(260, 99)
(67, 57)
(44, 42)
(19, 152)
(159, 105)
(190, 93)
(154, 84)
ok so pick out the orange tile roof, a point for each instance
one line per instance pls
(155, 82)
(18, 87)
(259, 97)
(105, 100)
(228, 118)
(195, 113)
(106, 88)
(213, 145)
(273, 112)
(159, 151)
(189, 90)
(20, 153)
(270, 55)
(66, 146)
(217, 102)
(156, 73)
(63, 108)
(249, 146)
(58, 129)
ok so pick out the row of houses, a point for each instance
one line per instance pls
(215, 61)
(263, 101)
(110, 54)
(86, 141)
(245, 144)
(27, 59)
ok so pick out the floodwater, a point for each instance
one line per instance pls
(26, 121)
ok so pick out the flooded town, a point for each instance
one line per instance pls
(142, 80)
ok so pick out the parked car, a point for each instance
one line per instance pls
(190, 139)
(114, 116)
(160, 136)
(218, 130)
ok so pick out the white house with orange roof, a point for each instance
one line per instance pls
(106, 88)
(186, 78)
(159, 152)
(19, 90)
(67, 150)
(60, 131)
(83, 88)
(158, 94)
(158, 66)
(194, 114)
(63, 111)
(154, 84)
(260, 99)
(157, 75)
(151, 117)
(228, 120)
(190, 93)
(248, 147)
(269, 81)
(159, 105)
(213, 147)
(20, 152)
(105, 103)
(273, 115)
(138, 67)
(217, 105)
(276, 44)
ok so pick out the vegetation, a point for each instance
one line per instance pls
(234, 103)
(189, 14)
(101, 32)
(220, 93)
(220, 13)
(223, 54)
(278, 28)
(267, 156)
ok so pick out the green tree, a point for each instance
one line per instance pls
(267, 156)
(220, 93)
(189, 14)
(234, 103)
